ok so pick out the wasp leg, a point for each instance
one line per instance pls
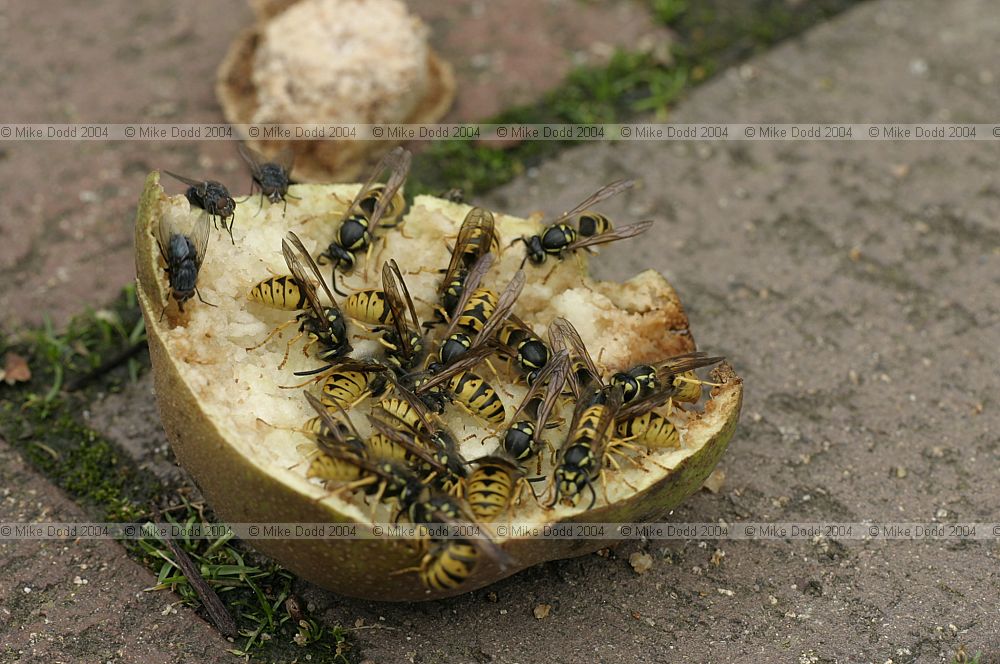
(272, 334)
(288, 348)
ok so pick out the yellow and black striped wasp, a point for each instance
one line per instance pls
(379, 469)
(449, 560)
(324, 326)
(357, 223)
(526, 348)
(642, 379)
(403, 342)
(183, 253)
(476, 238)
(449, 468)
(393, 214)
(498, 480)
(581, 457)
(466, 388)
(352, 380)
(560, 237)
(563, 336)
(638, 420)
(211, 196)
(271, 176)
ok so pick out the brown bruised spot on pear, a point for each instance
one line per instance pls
(237, 431)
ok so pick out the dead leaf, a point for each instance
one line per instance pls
(15, 369)
(715, 481)
(542, 611)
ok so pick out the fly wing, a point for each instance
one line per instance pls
(601, 194)
(200, 185)
(199, 237)
(253, 159)
(285, 159)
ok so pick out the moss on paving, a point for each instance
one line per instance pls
(41, 419)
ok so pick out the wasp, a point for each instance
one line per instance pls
(466, 388)
(378, 468)
(183, 254)
(447, 563)
(527, 348)
(393, 214)
(355, 232)
(404, 344)
(409, 417)
(369, 307)
(350, 381)
(560, 237)
(439, 462)
(325, 326)
(271, 177)
(212, 197)
(281, 292)
(562, 335)
(678, 371)
(498, 480)
(584, 450)
(638, 420)
(476, 305)
(476, 238)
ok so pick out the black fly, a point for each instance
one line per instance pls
(212, 197)
(271, 177)
(183, 253)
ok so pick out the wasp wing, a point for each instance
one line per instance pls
(397, 162)
(478, 231)
(505, 304)
(679, 364)
(485, 544)
(333, 437)
(617, 234)
(299, 272)
(562, 334)
(400, 303)
(407, 441)
(601, 194)
(472, 281)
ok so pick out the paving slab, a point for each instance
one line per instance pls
(84, 601)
